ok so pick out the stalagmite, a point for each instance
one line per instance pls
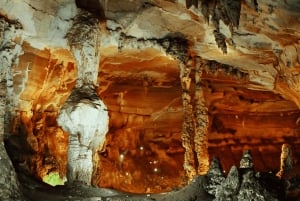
(246, 161)
(84, 116)
(215, 177)
(188, 121)
(230, 187)
(201, 122)
(286, 160)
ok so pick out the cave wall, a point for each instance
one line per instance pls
(252, 92)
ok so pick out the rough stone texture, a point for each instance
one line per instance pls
(246, 161)
(242, 184)
(215, 176)
(8, 182)
(251, 93)
(84, 40)
(84, 116)
(251, 189)
(230, 187)
(286, 160)
(9, 51)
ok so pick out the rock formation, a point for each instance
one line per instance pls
(9, 52)
(84, 116)
(241, 183)
(182, 81)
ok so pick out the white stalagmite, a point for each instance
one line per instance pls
(86, 121)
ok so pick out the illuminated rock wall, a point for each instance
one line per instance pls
(251, 93)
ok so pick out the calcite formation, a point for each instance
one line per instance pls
(84, 116)
(183, 82)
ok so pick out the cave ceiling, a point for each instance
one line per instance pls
(251, 83)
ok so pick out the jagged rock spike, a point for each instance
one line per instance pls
(251, 189)
(230, 187)
(215, 168)
(246, 161)
(215, 176)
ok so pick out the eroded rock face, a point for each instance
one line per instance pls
(251, 93)
(9, 52)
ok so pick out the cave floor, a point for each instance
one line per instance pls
(34, 190)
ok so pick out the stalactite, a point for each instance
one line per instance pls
(84, 39)
(220, 40)
(205, 10)
(9, 54)
(189, 3)
(188, 121)
(201, 121)
(233, 10)
(226, 10)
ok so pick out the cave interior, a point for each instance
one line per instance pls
(182, 82)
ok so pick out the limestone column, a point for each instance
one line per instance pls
(188, 121)
(84, 116)
(201, 122)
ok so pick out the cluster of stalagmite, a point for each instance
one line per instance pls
(242, 183)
